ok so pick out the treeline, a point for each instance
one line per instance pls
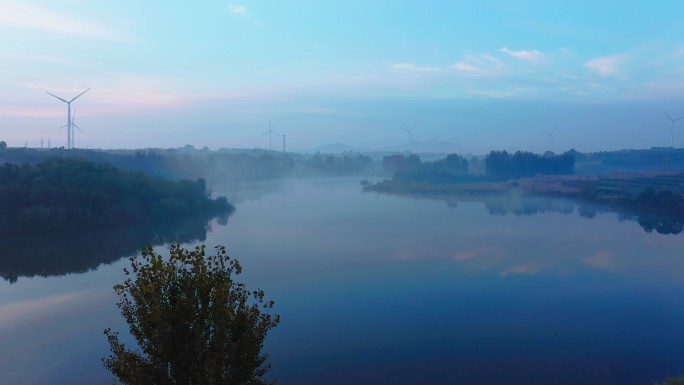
(503, 165)
(61, 194)
(408, 169)
(345, 164)
(190, 163)
(453, 164)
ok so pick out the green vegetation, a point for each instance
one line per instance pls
(194, 324)
(62, 194)
(672, 381)
(453, 164)
(501, 165)
(411, 169)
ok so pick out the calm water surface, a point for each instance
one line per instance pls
(377, 289)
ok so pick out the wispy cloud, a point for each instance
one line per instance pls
(529, 269)
(408, 67)
(479, 65)
(461, 66)
(533, 56)
(237, 9)
(16, 15)
(606, 65)
(19, 312)
(604, 260)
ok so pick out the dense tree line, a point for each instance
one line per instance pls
(411, 169)
(453, 164)
(70, 193)
(345, 164)
(398, 163)
(503, 165)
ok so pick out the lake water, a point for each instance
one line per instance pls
(377, 289)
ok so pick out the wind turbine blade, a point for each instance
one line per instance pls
(56, 97)
(66, 125)
(412, 127)
(79, 95)
(668, 116)
(77, 127)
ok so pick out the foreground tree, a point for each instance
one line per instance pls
(194, 324)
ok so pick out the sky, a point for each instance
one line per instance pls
(484, 74)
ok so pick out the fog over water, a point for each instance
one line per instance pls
(395, 290)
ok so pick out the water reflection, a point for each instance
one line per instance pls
(60, 253)
(521, 205)
(377, 289)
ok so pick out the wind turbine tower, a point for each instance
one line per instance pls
(409, 134)
(70, 122)
(672, 122)
(74, 125)
(270, 134)
(551, 136)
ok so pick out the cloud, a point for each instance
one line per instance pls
(237, 9)
(603, 260)
(479, 65)
(34, 17)
(408, 67)
(521, 269)
(20, 312)
(461, 66)
(533, 56)
(606, 65)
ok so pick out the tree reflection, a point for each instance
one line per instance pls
(661, 225)
(521, 205)
(61, 253)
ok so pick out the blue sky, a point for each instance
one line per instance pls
(485, 74)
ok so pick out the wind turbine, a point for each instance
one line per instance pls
(551, 135)
(270, 134)
(409, 134)
(73, 125)
(672, 122)
(70, 123)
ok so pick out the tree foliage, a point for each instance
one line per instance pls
(61, 194)
(399, 163)
(502, 165)
(194, 324)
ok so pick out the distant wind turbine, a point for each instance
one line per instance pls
(409, 131)
(73, 125)
(70, 122)
(270, 134)
(672, 122)
(551, 135)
